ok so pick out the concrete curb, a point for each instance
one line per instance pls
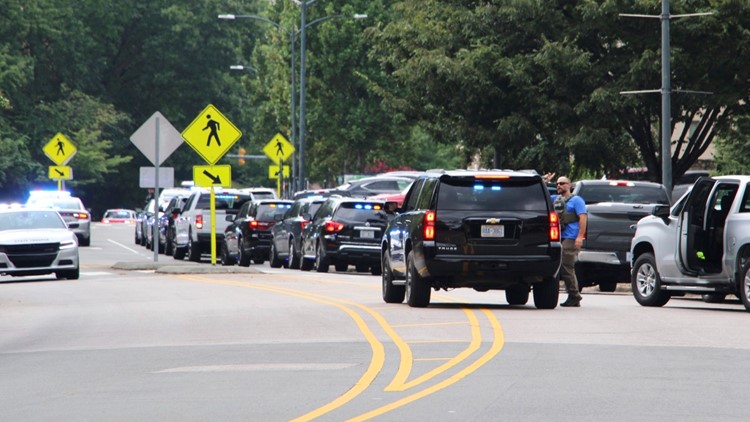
(171, 268)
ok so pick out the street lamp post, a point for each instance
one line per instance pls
(292, 36)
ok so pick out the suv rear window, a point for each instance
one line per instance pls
(491, 195)
(223, 201)
(268, 212)
(361, 212)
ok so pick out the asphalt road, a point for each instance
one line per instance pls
(132, 340)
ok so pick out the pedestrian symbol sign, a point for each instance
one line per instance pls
(278, 149)
(211, 134)
(59, 149)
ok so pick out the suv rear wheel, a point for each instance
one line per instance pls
(321, 262)
(547, 293)
(417, 288)
(194, 251)
(517, 295)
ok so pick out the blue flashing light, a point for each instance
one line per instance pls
(358, 206)
(478, 187)
(497, 188)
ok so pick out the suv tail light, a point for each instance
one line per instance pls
(333, 226)
(554, 227)
(429, 225)
(303, 224)
(260, 225)
(199, 221)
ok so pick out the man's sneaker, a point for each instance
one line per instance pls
(572, 301)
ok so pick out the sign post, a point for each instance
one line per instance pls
(157, 139)
(211, 135)
(279, 149)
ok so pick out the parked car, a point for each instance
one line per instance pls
(701, 245)
(286, 235)
(193, 228)
(486, 230)
(118, 216)
(248, 235)
(343, 232)
(167, 223)
(37, 242)
(70, 208)
(369, 186)
(151, 215)
(256, 194)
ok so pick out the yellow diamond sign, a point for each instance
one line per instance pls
(59, 149)
(211, 134)
(278, 149)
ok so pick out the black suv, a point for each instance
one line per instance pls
(286, 235)
(485, 229)
(248, 236)
(343, 232)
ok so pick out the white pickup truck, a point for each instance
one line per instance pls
(193, 226)
(701, 245)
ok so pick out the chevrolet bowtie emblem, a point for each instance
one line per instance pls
(493, 220)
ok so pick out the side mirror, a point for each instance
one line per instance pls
(661, 211)
(229, 217)
(278, 217)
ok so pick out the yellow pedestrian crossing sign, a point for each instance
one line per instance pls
(208, 176)
(278, 149)
(60, 173)
(59, 149)
(211, 134)
(273, 172)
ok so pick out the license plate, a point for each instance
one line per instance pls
(367, 234)
(493, 231)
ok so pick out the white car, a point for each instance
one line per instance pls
(37, 242)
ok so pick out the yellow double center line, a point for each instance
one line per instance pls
(399, 382)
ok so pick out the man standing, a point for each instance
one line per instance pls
(573, 215)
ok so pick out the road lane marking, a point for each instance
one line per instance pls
(258, 367)
(124, 247)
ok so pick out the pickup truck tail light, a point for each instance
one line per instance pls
(333, 226)
(554, 227)
(198, 221)
(428, 230)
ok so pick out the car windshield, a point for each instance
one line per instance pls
(25, 220)
(223, 201)
(491, 195)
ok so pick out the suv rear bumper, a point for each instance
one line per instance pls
(491, 271)
(354, 253)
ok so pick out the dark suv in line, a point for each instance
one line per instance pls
(484, 229)
(343, 232)
(248, 235)
(286, 235)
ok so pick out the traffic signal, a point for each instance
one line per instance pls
(241, 159)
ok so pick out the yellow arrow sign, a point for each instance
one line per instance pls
(208, 176)
(278, 149)
(60, 173)
(59, 149)
(273, 172)
(211, 134)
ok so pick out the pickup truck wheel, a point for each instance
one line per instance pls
(361, 268)
(417, 288)
(547, 293)
(646, 282)
(273, 258)
(179, 254)
(194, 252)
(744, 290)
(391, 293)
(375, 269)
(305, 264)
(294, 258)
(517, 295)
(607, 286)
(321, 262)
(714, 297)
(342, 267)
